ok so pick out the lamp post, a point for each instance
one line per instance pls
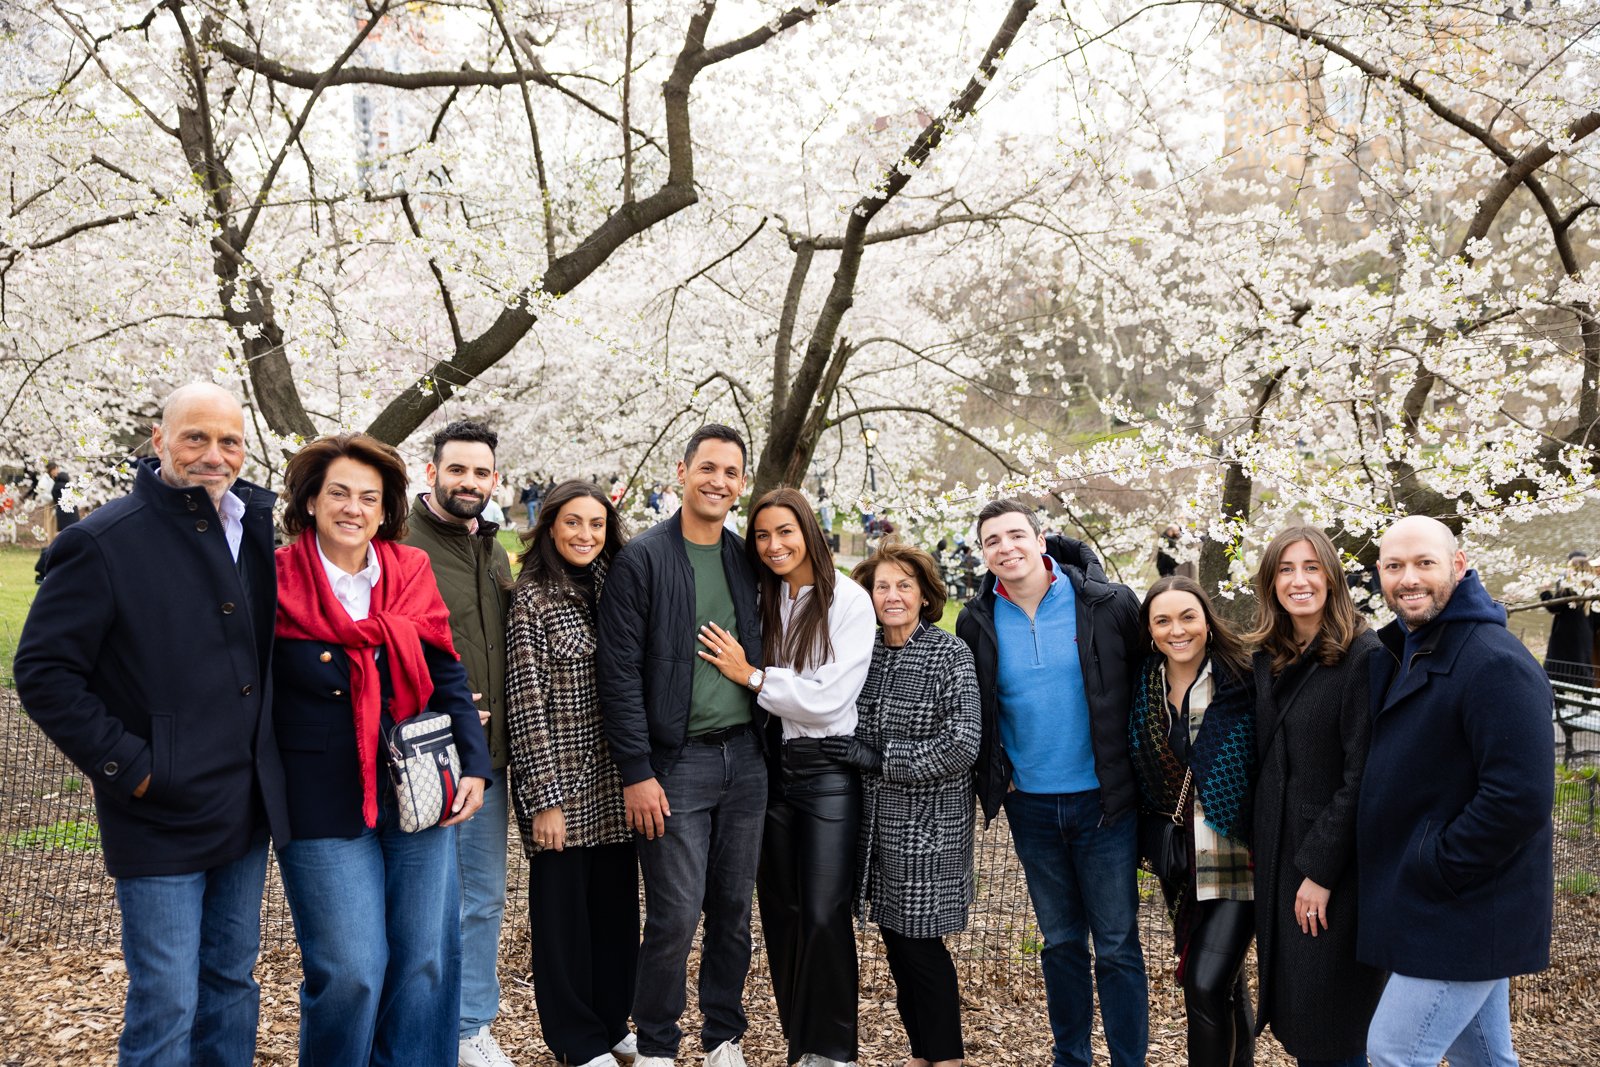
(869, 436)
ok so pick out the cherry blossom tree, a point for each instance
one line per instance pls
(1219, 263)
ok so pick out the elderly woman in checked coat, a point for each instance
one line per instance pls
(583, 875)
(919, 725)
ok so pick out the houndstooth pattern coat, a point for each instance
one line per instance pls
(559, 755)
(919, 707)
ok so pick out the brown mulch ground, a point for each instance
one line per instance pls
(63, 1005)
(62, 982)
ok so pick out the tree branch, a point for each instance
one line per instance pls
(784, 344)
(928, 413)
(533, 134)
(408, 410)
(438, 275)
(305, 115)
(786, 449)
(464, 78)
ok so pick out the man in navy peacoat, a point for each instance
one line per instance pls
(146, 659)
(1453, 828)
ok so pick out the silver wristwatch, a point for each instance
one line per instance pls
(756, 678)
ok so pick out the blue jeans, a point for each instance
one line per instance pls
(1081, 880)
(706, 860)
(378, 918)
(1420, 1020)
(481, 848)
(190, 942)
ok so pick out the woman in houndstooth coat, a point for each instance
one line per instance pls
(919, 720)
(583, 880)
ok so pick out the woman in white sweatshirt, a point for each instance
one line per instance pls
(818, 630)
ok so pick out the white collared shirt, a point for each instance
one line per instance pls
(231, 512)
(822, 701)
(354, 591)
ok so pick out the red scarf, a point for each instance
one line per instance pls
(406, 611)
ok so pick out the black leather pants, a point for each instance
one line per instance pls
(1216, 1000)
(804, 886)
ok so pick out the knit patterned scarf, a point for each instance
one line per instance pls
(1222, 756)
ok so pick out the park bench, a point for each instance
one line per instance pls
(1577, 710)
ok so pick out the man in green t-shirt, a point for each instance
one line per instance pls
(688, 744)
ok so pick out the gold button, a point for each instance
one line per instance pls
(326, 657)
(338, 692)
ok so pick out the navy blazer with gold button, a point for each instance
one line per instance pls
(147, 653)
(315, 725)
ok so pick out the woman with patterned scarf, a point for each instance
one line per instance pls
(1192, 742)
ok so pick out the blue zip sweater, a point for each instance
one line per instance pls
(1044, 711)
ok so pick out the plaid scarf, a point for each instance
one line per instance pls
(1222, 756)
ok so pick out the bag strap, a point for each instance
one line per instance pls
(1183, 798)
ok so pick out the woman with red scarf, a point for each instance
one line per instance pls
(363, 643)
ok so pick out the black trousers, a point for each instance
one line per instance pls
(926, 994)
(1215, 998)
(583, 910)
(804, 886)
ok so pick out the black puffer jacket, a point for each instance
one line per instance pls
(1110, 647)
(647, 645)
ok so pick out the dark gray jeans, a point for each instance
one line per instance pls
(718, 798)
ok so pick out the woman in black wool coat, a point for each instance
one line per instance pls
(1312, 728)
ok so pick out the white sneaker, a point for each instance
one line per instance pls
(602, 1060)
(814, 1059)
(627, 1048)
(653, 1061)
(727, 1054)
(480, 1050)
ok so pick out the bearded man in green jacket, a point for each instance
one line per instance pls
(474, 574)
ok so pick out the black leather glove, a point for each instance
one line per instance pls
(863, 757)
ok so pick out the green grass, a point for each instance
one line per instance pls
(16, 593)
(74, 835)
(1579, 884)
(1576, 801)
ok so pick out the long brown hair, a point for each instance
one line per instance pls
(540, 562)
(1221, 642)
(1274, 630)
(807, 642)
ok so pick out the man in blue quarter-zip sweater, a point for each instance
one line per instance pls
(1453, 828)
(1057, 648)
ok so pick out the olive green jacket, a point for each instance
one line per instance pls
(474, 576)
